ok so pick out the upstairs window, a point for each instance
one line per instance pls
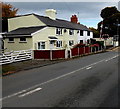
(71, 42)
(88, 33)
(71, 32)
(11, 39)
(81, 32)
(59, 31)
(59, 44)
(22, 39)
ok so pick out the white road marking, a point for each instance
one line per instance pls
(111, 58)
(30, 92)
(88, 68)
(38, 85)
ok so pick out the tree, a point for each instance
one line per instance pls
(108, 11)
(110, 16)
(8, 11)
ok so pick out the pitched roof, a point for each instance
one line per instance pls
(25, 31)
(61, 23)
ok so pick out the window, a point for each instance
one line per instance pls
(41, 45)
(81, 32)
(71, 42)
(59, 44)
(11, 39)
(22, 39)
(88, 41)
(59, 31)
(52, 41)
(71, 32)
(88, 33)
(81, 41)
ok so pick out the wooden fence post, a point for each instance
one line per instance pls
(12, 59)
(84, 50)
(50, 54)
(32, 54)
(95, 49)
(78, 51)
(90, 49)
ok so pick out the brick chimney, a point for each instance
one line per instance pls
(74, 19)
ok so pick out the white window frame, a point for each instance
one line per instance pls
(81, 41)
(9, 39)
(41, 44)
(88, 32)
(59, 31)
(72, 31)
(60, 44)
(72, 42)
(80, 32)
(25, 39)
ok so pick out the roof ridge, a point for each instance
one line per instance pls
(30, 27)
(22, 15)
(40, 15)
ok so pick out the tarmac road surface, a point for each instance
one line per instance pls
(90, 81)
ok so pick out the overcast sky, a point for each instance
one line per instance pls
(87, 12)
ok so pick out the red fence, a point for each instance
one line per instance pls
(62, 54)
(47, 54)
(42, 54)
(74, 51)
(56, 54)
(80, 51)
(87, 49)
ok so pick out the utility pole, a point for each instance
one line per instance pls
(116, 37)
(118, 31)
(101, 27)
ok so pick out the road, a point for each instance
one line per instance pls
(90, 81)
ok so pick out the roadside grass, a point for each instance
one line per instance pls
(28, 64)
(8, 68)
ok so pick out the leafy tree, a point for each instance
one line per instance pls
(108, 11)
(111, 19)
(8, 11)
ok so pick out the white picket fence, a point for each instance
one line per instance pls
(15, 56)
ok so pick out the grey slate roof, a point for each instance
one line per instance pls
(25, 31)
(61, 23)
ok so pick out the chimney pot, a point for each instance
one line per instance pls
(74, 19)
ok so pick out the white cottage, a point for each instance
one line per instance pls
(44, 32)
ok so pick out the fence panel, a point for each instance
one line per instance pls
(15, 56)
(42, 54)
(75, 51)
(49, 54)
(58, 54)
(81, 50)
(87, 49)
